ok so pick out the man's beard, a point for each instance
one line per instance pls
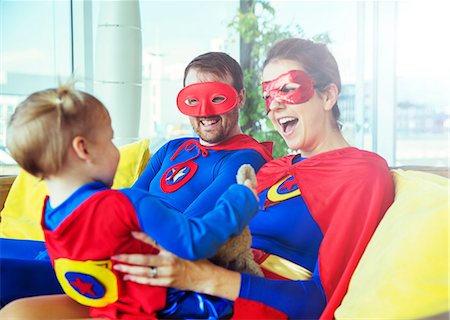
(211, 137)
(222, 132)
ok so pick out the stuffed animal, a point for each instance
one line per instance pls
(236, 253)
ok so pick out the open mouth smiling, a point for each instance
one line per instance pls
(287, 124)
(210, 121)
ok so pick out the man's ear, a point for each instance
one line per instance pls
(242, 97)
(330, 96)
(79, 145)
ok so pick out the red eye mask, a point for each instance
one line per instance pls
(274, 89)
(207, 99)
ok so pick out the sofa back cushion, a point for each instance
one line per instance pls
(21, 216)
(403, 273)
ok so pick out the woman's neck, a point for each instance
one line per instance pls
(332, 141)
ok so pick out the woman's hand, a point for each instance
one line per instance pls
(164, 269)
(167, 270)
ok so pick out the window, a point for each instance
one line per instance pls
(392, 57)
(422, 82)
(173, 33)
(30, 61)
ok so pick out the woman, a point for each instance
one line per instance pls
(318, 209)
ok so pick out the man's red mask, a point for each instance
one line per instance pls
(207, 99)
(278, 89)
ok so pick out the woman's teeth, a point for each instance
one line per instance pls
(288, 122)
(285, 120)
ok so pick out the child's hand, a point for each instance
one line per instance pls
(249, 184)
(247, 177)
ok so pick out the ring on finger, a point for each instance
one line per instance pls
(153, 272)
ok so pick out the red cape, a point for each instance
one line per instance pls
(347, 192)
(237, 142)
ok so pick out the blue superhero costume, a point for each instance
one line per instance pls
(94, 223)
(190, 176)
(285, 228)
(316, 217)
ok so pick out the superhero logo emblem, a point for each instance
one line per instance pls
(91, 283)
(284, 189)
(85, 285)
(177, 176)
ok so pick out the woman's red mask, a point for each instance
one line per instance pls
(207, 99)
(278, 88)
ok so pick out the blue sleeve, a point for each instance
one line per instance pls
(195, 238)
(301, 299)
(224, 177)
(152, 168)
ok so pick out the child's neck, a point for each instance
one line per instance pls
(61, 188)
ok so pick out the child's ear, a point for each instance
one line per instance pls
(79, 145)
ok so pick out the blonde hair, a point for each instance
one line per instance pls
(43, 126)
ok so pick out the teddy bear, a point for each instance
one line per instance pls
(236, 253)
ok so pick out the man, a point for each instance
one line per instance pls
(191, 173)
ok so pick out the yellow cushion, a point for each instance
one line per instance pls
(23, 208)
(133, 159)
(20, 218)
(403, 273)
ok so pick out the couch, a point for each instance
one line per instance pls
(403, 274)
